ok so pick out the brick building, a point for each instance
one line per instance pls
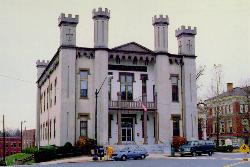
(13, 145)
(232, 110)
(29, 138)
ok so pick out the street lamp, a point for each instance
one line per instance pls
(22, 122)
(97, 91)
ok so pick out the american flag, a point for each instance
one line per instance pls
(143, 106)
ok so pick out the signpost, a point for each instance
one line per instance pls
(244, 149)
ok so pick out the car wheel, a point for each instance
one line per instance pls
(123, 158)
(143, 156)
(199, 154)
(182, 155)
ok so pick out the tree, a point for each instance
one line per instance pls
(216, 90)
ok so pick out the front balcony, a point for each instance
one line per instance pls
(131, 105)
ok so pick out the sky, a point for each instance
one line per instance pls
(29, 31)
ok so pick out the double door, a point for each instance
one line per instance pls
(127, 129)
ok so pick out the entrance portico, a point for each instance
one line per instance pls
(126, 124)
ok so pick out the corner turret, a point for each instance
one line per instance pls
(41, 65)
(101, 19)
(160, 33)
(186, 40)
(67, 26)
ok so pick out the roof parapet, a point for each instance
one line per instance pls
(101, 13)
(42, 63)
(184, 30)
(68, 19)
(161, 20)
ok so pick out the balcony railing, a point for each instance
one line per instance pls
(133, 105)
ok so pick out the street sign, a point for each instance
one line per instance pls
(244, 148)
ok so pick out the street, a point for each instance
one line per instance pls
(217, 160)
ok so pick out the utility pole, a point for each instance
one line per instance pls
(4, 145)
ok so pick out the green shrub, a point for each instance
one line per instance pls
(45, 154)
(85, 145)
(30, 150)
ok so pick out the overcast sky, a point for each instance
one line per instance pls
(29, 31)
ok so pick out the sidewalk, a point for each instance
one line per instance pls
(89, 159)
(68, 160)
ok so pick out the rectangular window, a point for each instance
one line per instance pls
(109, 85)
(54, 127)
(41, 102)
(176, 125)
(245, 125)
(50, 129)
(246, 108)
(241, 108)
(84, 84)
(144, 78)
(229, 126)
(47, 98)
(231, 109)
(46, 131)
(41, 132)
(214, 127)
(55, 83)
(126, 86)
(222, 127)
(50, 96)
(175, 91)
(84, 128)
(109, 126)
(44, 101)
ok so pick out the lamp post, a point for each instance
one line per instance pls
(22, 122)
(97, 91)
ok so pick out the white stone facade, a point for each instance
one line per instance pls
(66, 103)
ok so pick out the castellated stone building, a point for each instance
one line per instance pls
(144, 96)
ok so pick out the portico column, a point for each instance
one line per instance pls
(156, 128)
(119, 121)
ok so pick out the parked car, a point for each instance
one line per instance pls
(236, 145)
(197, 147)
(130, 153)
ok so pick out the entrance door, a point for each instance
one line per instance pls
(127, 129)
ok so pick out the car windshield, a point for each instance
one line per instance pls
(192, 143)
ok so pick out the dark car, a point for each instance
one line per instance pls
(197, 147)
(130, 153)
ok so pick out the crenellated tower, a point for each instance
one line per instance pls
(67, 26)
(160, 33)
(186, 40)
(162, 82)
(101, 19)
(41, 65)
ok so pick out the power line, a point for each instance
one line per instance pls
(18, 79)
